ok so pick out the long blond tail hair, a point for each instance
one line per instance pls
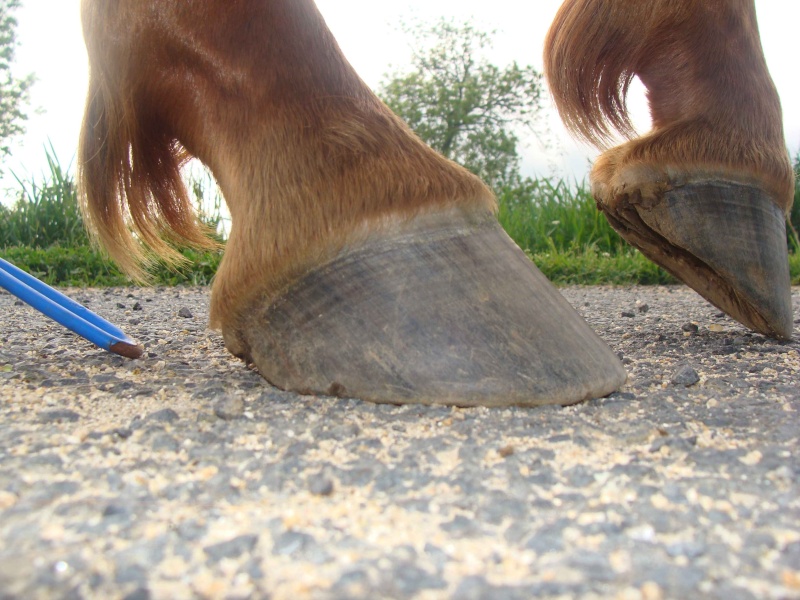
(133, 198)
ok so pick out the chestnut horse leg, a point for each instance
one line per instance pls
(705, 193)
(359, 262)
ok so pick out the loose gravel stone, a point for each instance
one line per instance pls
(166, 415)
(229, 407)
(185, 313)
(59, 415)
(292, 543)
(164, 442)
(144, 488)
(320, 485)
(685, 376)
(232, 548)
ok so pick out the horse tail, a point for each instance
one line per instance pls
(590, 58)
(132, 196)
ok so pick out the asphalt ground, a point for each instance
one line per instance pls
(185, 475)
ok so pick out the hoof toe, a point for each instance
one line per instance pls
(726, 240)
(446, 311)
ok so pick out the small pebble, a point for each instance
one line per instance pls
(506, 451)
(685, 376)
(58, 416)
(166, 415)
(137, 306)
(122, 432)
(232, 548)
(292, 542)
(690, 328)
(229, 407)
(627, 314)
(113, 510)
(185, 313)
(320, 485)
(643, 308)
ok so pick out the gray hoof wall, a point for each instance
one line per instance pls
(445, 311)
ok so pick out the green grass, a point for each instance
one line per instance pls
(555, 222)
(83, 266)
(559, 227)
(44, 212)
(43, 233)
(552, 216)
(793, 224)
(589, 267)
(794, 267)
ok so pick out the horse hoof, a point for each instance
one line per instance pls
(726, 240)
(445, 310)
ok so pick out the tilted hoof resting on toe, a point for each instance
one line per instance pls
(725, 239)
(442, 310)
(705, 193)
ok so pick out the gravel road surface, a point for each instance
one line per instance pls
(185, 475)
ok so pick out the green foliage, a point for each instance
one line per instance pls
(571, 242)
(43, 233)
(199, 269)
(14, 92)
(793, 223)
(590, 267)
(546, 215)
(460, 104)
(45, 213)
(83, 266)
(555, 222)
(73, 266)
(208, 199)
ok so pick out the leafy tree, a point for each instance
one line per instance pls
(460, 104)
(14, 92)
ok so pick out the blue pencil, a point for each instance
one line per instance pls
(64, 310)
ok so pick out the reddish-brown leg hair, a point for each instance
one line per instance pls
(713, 104)
(305, 154)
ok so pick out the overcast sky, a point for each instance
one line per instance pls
(52, 48)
